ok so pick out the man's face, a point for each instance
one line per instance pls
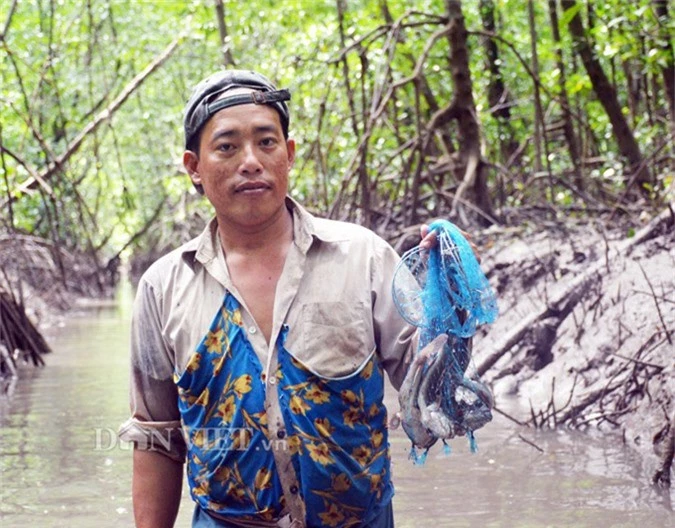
(243, 165)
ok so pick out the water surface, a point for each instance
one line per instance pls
(62, 466)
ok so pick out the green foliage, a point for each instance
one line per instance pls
(63, 62)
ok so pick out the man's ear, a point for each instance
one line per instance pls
(290, 147)
(191, 164)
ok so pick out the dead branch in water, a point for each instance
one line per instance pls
(530, 443)
(18, 336)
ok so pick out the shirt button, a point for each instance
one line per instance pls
(294, 489)
(252, 330)
(281, 433)
(273, 380)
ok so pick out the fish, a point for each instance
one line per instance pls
(438, 400)
(408, 396)
(451, 403)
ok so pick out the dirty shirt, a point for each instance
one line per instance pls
(201, 369)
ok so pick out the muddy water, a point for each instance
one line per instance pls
(61, 464)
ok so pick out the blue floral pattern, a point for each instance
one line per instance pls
(336, 432)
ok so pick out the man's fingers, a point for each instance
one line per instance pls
(428, 237)
(429, 240)
(474, 248)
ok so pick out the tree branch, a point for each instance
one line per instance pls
(105, 114)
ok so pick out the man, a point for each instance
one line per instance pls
(258, 348)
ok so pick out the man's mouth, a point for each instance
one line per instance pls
(251, 187)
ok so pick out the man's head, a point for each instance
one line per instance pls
(238, 152)
(212, 95)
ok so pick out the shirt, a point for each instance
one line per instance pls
(333, 318)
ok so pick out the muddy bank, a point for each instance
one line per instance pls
(586, 328)
(40, 285)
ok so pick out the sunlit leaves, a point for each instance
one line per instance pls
(68, 65)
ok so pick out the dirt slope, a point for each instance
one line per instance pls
(586, 329)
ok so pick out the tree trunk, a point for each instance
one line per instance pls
(668, 71)
(606, 94)
(364, 181)
(226, 45)
(538, 113)
(568, 126)
(464, 110)
(498, 95)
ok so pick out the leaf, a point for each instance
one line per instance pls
(569, 14)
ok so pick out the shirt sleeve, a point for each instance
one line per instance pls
(396, 339)
(154, 424)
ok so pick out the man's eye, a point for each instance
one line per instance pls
(268, 142)
(225, 147)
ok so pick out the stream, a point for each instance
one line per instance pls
(61, 464)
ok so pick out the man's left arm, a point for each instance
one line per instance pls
(396, 339)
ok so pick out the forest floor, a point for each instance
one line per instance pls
(585, 333)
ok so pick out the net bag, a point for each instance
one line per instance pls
(445, 294)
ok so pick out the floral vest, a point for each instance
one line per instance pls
(336, 432)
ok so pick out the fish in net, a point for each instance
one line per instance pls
(445, 294)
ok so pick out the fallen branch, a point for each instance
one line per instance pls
(571, 295)
(529, 442)
(656, 302)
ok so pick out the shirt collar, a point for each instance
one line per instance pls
(204, 248)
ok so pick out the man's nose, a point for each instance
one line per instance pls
(250, 163)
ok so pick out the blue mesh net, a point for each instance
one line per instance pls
(443, 291)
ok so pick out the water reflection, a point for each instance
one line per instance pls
(62, 465)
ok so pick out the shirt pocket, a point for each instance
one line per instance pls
(336, 338)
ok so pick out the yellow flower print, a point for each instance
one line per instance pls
(198, 439)
(242, 385)
(222, 474)
(367, 371)
(376, 484)
(235, 492)
(226, 409)
(218, 363)
(186, 397)
(297, 364)
(214, 341)
(341, 482)
(196, 460)
(324, 427)
(193, 362)
(236, 317)
(267, 514)
(362, 454)
(351, 417)
(263, 479)
(261, 417)
(241, 439)
(298, 405)
(202, 490)
(320, 453)
(294, 443)
(203, 399)
(316, 395)
(349, 396)
(376, 439)
(215, 506)
(332, 517)
(374, 409)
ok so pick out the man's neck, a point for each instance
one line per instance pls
(237, 239)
